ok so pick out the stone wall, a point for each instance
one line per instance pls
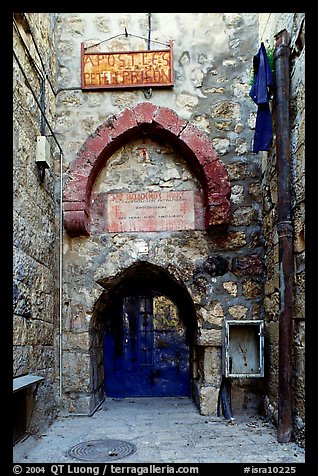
(270, 25)
(222, 270)
(228, 272)
(34, 227)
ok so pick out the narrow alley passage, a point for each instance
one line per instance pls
(162, 430)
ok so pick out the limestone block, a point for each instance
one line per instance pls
(212, 313)
(226, 110)
(252, 289)
(216, 265)
(271, 305)
(76, 402)
(255, 191)
(32, 332)
(67, 48)
(272, 333)
(249, 264)
(300, 295)
(187, 101)
(21, 360)
(299, 228)
(21, 300)
(76, 371)
(78, 341)
(232, 20)
(208, 397)
(237, 194)
(197, 77)
(202, 122)
(221, 145)
(75, 318)
(238, 128)
(232, 240)
(223, 125)
(256, 311)
(102, 24)
(75, 25)
(237, 170)
(212, 366)
(230, 287)
(209, 337)
(238, 311)
(241, 147)
(243, 216)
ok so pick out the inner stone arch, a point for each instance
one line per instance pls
(152, 170)
(144, 119)
(169, 339)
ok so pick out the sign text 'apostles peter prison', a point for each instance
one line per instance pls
(150, 211)
(149, 68)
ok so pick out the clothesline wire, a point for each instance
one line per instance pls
(126, 34)
(265, 26)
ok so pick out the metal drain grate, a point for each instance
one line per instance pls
(102, 450)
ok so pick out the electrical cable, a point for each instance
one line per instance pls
(32, 61)
(126, 35)
(36, 100)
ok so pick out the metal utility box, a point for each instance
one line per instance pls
(43, 152)
(244, 348)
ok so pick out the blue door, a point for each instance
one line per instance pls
(145, 354)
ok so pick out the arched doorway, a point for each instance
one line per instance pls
(143, 334)
(145, 349)
(167, 155)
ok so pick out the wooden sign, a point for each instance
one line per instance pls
(127, 69)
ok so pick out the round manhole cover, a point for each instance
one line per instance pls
(102, 450)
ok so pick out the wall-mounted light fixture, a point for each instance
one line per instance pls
(43, 155)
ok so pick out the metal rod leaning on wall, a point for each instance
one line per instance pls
(285, 237)
(61, 278)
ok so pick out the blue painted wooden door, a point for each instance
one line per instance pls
(144, 356)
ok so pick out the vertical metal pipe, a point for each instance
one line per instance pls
(285, 235)
(149, 29)
(61, 279)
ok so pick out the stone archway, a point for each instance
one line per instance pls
(152, 120)
(140, 277)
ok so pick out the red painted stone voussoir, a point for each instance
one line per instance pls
(69, 206)
(81, 166)
(124, 123)
(170, 121)
(199, 143)
(144, 112)
(95, 144)
(75, 190)
(75, 222)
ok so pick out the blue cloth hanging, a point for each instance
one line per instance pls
(260, 93)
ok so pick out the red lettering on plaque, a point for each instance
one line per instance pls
(150, 211)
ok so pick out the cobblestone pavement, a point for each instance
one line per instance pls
(163, 430)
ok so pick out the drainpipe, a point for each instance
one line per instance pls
(285, 236)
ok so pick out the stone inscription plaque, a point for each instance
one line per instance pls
(150, 211)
